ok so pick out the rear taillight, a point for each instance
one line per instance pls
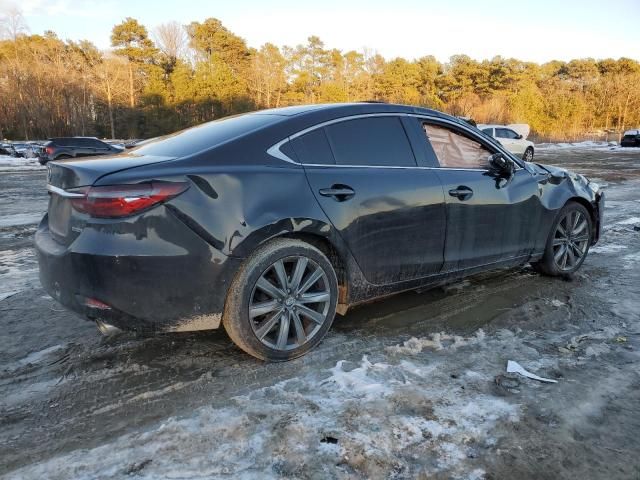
(123, 200)
(49, 150)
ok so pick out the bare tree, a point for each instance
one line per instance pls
(172, 40)
(12, 23)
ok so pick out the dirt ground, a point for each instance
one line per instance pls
(410, 387)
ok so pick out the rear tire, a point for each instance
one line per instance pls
(282, 300)
(568, 242)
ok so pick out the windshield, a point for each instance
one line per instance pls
(197, 139)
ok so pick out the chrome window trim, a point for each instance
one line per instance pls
(275, 151)
(64, 193)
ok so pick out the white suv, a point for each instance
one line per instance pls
(513, 141)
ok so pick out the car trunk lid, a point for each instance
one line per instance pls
(65, 179)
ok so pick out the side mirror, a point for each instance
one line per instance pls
(501, 164)
(519, 137)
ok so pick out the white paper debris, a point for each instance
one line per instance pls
(515, 367)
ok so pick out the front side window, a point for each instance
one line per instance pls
(506, 133)
(455, 150)
(371, 141)
(97, 144)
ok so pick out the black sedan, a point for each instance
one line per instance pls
(269, 223)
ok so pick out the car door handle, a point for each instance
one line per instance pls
(462, 192)
(338, 192)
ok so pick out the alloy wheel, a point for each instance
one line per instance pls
(289, 303)
(570, 241)
(528, 155)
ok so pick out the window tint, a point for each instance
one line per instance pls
(488, 131)
(312, 147)
(97, 144)
(205, 136)
(505, 133)
(371, 141)
(455, 150)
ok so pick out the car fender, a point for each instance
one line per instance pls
(557, 187)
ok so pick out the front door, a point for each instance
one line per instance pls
(489, 218)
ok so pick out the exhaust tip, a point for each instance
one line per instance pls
(107, 329)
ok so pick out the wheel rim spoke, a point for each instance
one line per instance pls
(311, 314)
(571, 258)
(262, 308)
(299, 328)
(576, 219)
(268, 325)
(558, 255)
(283, 333)
(269, 288)
(313, 278)
(318, 297)
(580, 227)
(581, 238)
(558, 241)
(561, 230)
(281, 273)
(298, 273)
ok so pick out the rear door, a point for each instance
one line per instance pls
(489, 218)
(390, 213)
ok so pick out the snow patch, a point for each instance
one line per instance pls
(18, 219)
(607, 248)
(379, 417)
(437, 341)
(18, 271)
(19, 163)
(588, 144)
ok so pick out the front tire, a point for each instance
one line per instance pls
(568, 242)
(282, 301)
(527, 156)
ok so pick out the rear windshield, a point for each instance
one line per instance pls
(200, 138)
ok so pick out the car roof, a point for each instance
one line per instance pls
(493, 125)
(349, 108)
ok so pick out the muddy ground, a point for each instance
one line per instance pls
(410, 387)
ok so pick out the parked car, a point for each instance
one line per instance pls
(72, 147)
(631, 138)
(513, 141)
(24, 150)
(7, 149)
(269, 223)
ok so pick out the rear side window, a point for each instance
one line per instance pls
(454, 150)
(313, 148)
(378, 141)
(208, 135)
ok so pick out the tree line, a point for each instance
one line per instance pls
(152, 83)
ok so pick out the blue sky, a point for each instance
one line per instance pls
(529, 30)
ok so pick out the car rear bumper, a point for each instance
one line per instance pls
(163, 279)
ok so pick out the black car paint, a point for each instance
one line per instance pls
(69, 147)
(169, 268)
(630, 141)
